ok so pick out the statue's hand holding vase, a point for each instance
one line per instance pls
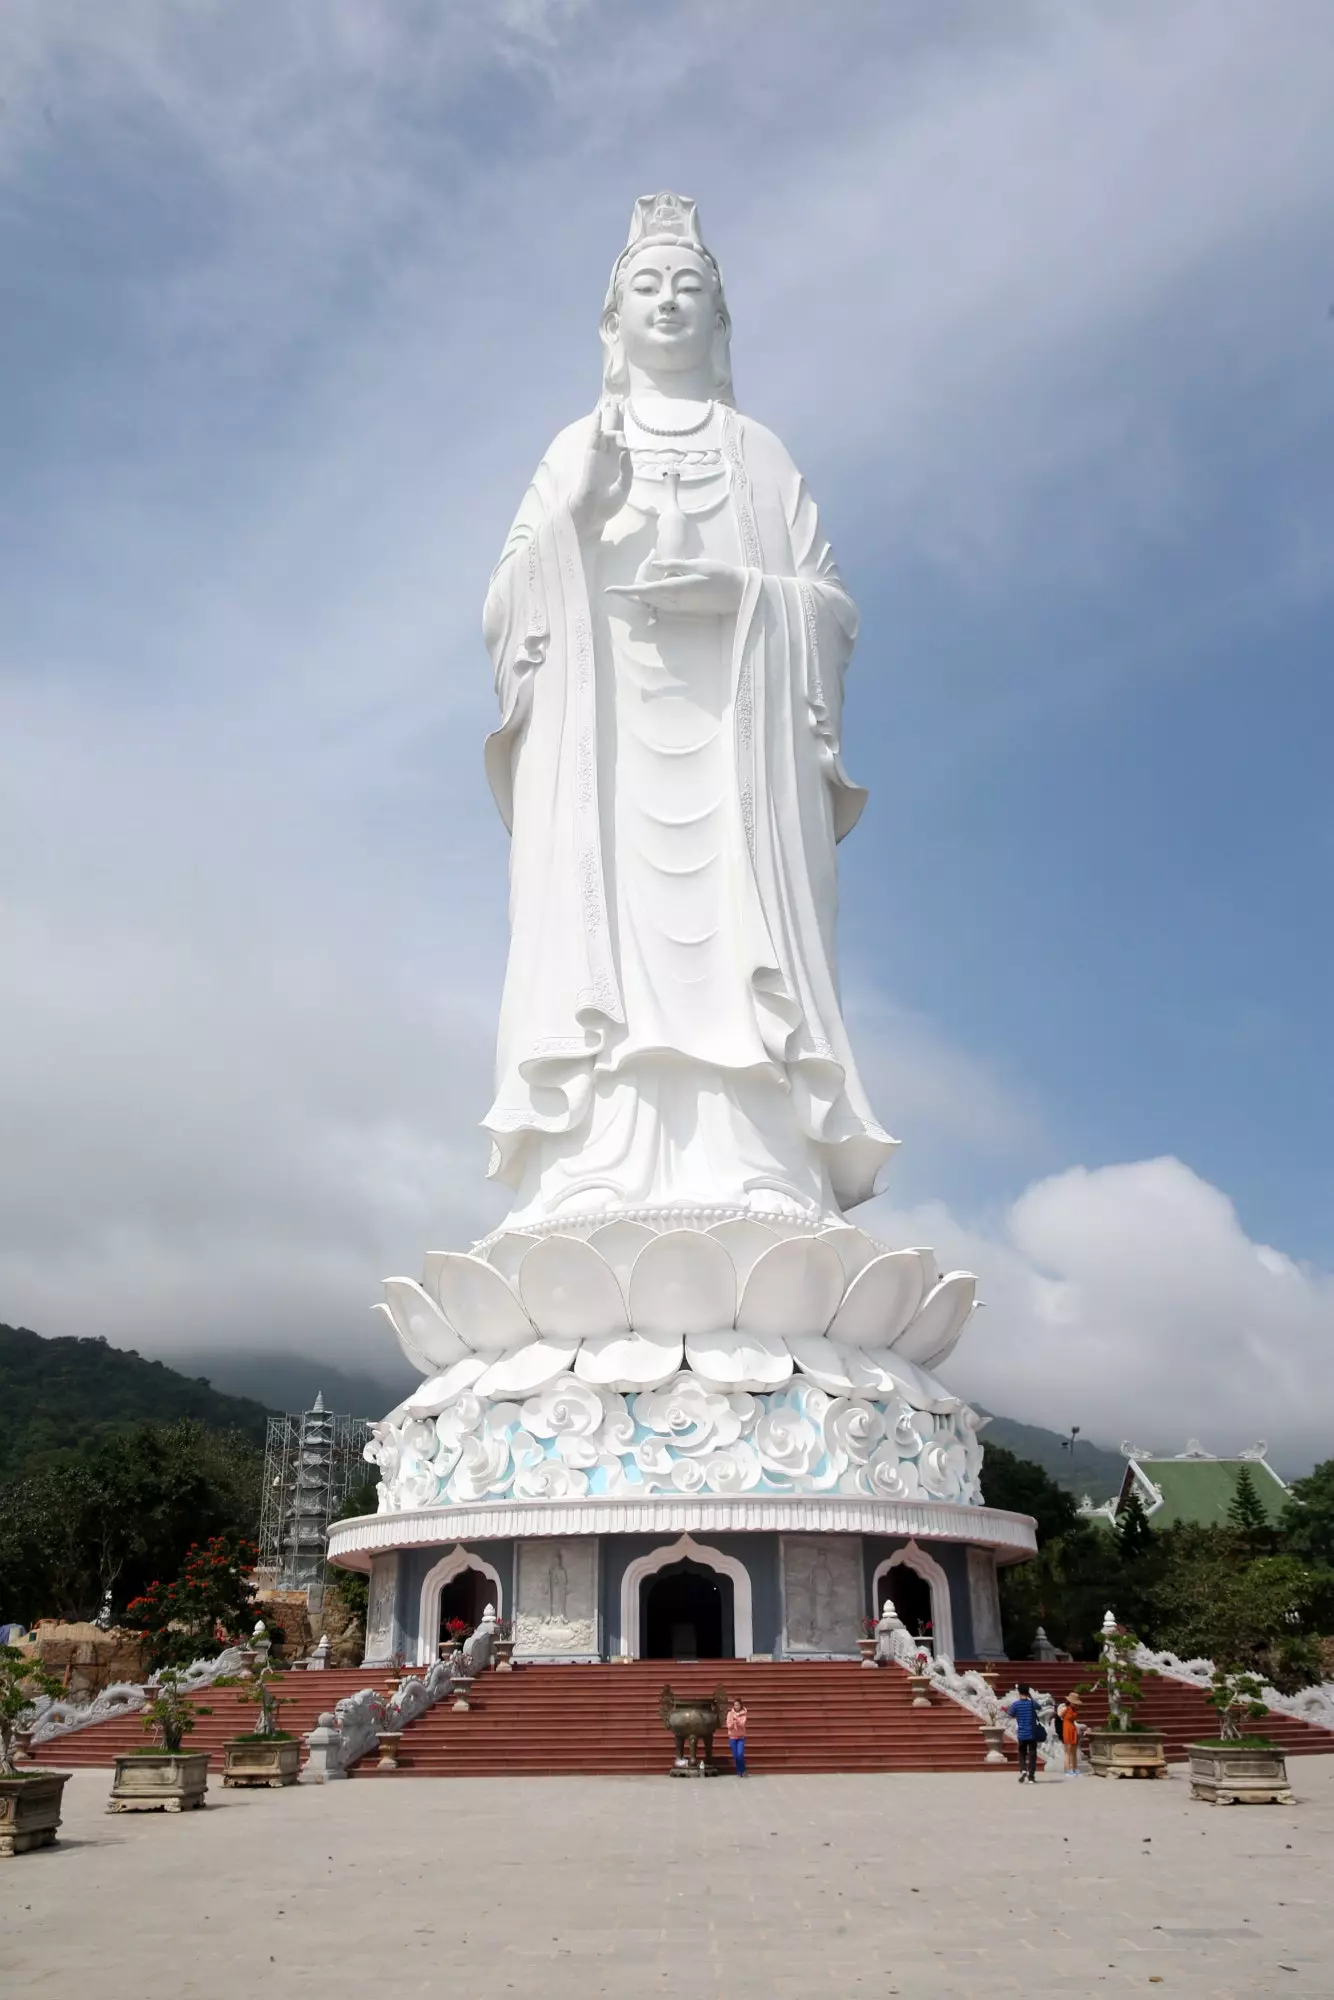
(694, 584)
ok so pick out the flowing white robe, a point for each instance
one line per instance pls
(670, 1031)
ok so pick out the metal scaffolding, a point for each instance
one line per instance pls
(311, 1463)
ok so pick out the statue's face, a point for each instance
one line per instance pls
(668, 309)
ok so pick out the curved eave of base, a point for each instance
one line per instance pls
(1011, 1536)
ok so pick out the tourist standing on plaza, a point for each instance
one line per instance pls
(1068, 1717)
(1029, 1731)
(736, 1735)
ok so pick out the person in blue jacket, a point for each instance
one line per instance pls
(1029, 1731)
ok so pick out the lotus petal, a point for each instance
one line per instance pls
(431, 1398)
(527, 1368)
(931, 1335)
(508, 1252)
(422, 1327)
(569, 1291)
(794, 1288)
(880, 1300)
(619, 1243)
(887, 1372)
(411, 1351)
(629, 1360)
(855, 1248)
(736, 1360)
(822, 1361)
(744, 1241)
(930, 1267)
(479, 1304)
(682, 1282)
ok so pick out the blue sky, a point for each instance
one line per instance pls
(1040, 300)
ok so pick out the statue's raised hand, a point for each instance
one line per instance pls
(605, 475)
(696, 584)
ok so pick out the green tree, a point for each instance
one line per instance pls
(207, 1607)
(1307, 1526)
(1021, 1487)
(1134, 1533)
(1246, 1509)
(22, 1680)
(119, 1513)
(1257, 1614)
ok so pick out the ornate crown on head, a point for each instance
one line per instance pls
(663, 218)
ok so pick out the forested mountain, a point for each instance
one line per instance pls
(59, 1394)
(1089, 1468)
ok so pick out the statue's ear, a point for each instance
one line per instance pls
(615, 373)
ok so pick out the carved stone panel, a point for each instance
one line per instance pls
(822, 1593)
(381, 1629)
(984, 1603)
(556, 1599)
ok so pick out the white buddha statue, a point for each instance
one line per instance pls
(670, 636)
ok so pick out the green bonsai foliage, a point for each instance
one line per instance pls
(22, 1681)
(170, 1713)
(261, 1693)
(1236, 1696)
(1122, 1677)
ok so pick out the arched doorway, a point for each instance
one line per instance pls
(465, 1597)
(920, 1592)
(686, 1613)
(912, 1598)
(730, 1572)
(480, 1585)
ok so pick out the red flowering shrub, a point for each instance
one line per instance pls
(207, 1607)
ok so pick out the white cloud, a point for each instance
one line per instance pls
(1128, 1299)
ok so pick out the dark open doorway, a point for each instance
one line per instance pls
(685, 1613)
(465, 1596)
(912, 1598)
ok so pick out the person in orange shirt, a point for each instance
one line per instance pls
(1068, 1717)
(736, 1735)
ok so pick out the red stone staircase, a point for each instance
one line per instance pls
(305, 1697)
(595, 1720)
(1179, 1710)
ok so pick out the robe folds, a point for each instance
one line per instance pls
(670, 1030)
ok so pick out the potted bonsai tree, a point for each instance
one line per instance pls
(504, 1646)
(1121, 1748)
(267, 1755)
(1236, 1767)
(29, 1800)
(163, 1777)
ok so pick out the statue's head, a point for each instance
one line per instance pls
(665, 311)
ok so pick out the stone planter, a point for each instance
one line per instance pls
(30, 1811)
(159, 1781)
(1239, 1774)
(504, 1656)
(866, 1647)
(993, 1741)
(461, 1688)
(389, 1741)
(921, 1690)
(261, 1760)
(1127, 1753)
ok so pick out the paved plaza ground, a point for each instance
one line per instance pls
(813, 1886)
